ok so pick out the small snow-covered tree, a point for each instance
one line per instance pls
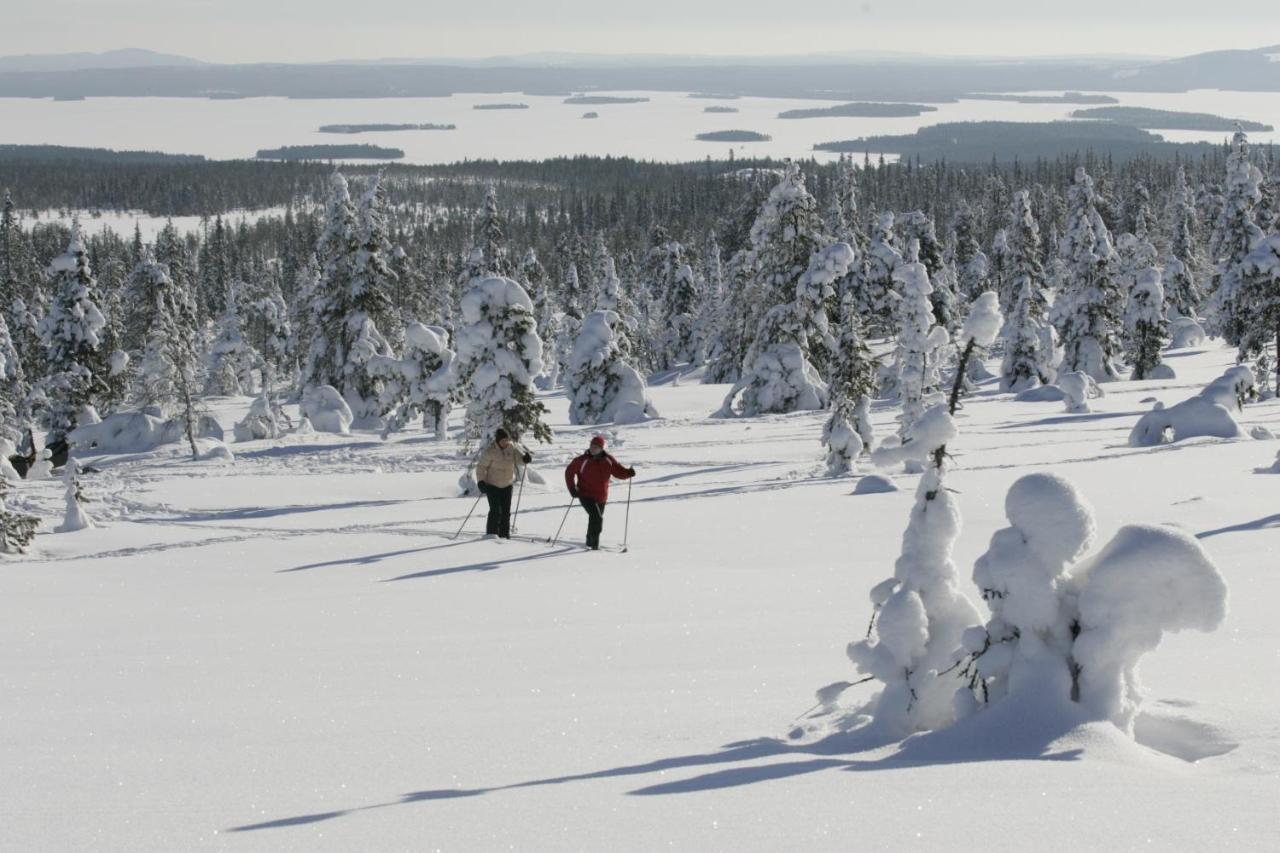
(71, 332)
(499, 354)
(847, 433)
(1146, 329)
(231, 359)
(75, 518)
(17, 530)
(1028, 343)
(918, 355)
(1088, 308)
(1183, 264)
(421, 382)
(875, 285)
(602, 387)
(680, 345)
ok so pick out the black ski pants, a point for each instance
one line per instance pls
(595, 520)
(499, 521)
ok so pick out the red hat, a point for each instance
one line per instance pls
(598, 441)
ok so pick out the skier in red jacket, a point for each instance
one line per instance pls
(587, 477)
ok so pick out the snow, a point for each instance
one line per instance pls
(874, 484)
(325, 410)
(984, 320)
(1209, 413)
(289, 653)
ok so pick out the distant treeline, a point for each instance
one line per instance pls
(382, 128)
(1170, 119)
(860, 110)
(330, 152)
(64, 153)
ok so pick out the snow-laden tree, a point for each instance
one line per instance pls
(971, 263)
(1259, 274)
(1184, 265)
(17, 530)
(778, 374)
(269, 332)
(488, 255)
(499, 354)
(601, 386)
(682, 302)
(875, 286)
(1088, 309)
(329, 347)
(1065, 633)
(920, 342)
(848, 432)
(1146, 329)
(70, 332)
(787, 231)
(231, 359)
(612, 297)
(918, 227)
(1028, 342)
(368, 308)
(420, 383)
(1235, 236)
(13, 390)
(1022, 254)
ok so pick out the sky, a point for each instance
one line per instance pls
(317, 30)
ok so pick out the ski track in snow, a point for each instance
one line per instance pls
(233, 660)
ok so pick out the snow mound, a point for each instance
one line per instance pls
(212, 450)
(1161, 371)
(1209, 413)
(1186, 332)
(1041, 394)
(326, 410)
(1075, 391)
(874, 484)
(1261, 433)
(125, 432)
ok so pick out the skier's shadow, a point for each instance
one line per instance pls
(482, 566)
(838, 751)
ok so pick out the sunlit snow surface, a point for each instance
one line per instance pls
(289, 653)
(662, 128)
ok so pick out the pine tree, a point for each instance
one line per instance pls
(420, 383)
(1028, 342)
(1260, 290)
(1146, 329)
(682, 301)
(328, 350)
(1088, 309)
(874, 291)
(920, 342)
(70, 333)
(1022, 267)
(17, 530)
(369, 310)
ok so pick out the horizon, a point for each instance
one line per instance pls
(399, 29)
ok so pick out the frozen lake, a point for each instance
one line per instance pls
(661, 129)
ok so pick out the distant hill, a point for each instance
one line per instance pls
(1243, 70)
(130, 57)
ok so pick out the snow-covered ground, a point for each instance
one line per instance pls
(289, 653)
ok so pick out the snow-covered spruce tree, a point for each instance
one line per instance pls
(681, 303)
(270, 334)
(1065, 630)
(499, 354)
(17, 530)
(920, 613)
(1028, 342)
(778, 375)
(1088, 308)
(1260, 290)
(918, 354)
(611, 297)
(919, 227)
(971, 262)
(420, 383)
(848, 431)
(1134, 255)
(231, 359)
(70, 333)
(13, 388)
(1183, 264)
(329, 347)
(601, 386)
(1022, 255)
(787, 231)
(1146, 329)
(873, 289)
(491, 239)
(369, 309)
(1234, 237)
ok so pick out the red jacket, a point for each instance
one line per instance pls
(589, 475)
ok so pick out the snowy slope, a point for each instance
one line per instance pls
(289, 653)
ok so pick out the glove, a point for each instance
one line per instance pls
(528, 457)
(631, 472)
(483, 487)
(573, 493)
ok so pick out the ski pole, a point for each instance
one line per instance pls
(468, 518)
(626, 526)
(519, 494)
(562, 521)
